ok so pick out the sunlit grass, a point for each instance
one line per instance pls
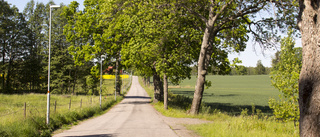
(255, 124)
(12, 106)
(233, 93)
(35, 125)
(245, 126)
(14, 122)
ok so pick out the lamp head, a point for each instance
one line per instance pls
(103, 56)
(54, 6)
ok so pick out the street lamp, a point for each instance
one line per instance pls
(101, 59)
(48, 95)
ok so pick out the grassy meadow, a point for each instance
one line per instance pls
(236, 105)
(14, 122)
(232, 93)
(12, 106)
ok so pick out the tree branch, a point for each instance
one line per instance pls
(195, 13)
(214, 18)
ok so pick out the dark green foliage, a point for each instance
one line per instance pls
(260, 69)
(32, 72)
(242, 70)
(15, 44)
(179, 101)
(239, 70)
(24, 52)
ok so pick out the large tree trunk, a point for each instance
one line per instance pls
(3, 69)
(165, 91)
(144, 81)
(203, 63)
(148, 81)
(158, 87)
(8, 83)
(118, 79)
(309, 81)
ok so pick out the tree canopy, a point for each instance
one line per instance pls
(157, 38)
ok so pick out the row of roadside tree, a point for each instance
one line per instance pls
(157, 38)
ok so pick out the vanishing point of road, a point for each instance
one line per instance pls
(133, 117)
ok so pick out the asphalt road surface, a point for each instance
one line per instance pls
(133, 117)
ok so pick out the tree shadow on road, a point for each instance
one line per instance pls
(137, 100)
(138, 97)
(98, 135)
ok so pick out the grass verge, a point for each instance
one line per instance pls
(15, 122)
(251, 123)
(36, 126)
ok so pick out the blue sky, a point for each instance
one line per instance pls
(249, 57)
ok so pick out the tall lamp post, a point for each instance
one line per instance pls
(48, 95)
(101, 59)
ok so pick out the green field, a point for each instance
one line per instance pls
(232, 93)
(237, 95)
(12, 106)
(24, 114)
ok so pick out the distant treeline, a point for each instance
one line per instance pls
(249, 71)
(243, 70)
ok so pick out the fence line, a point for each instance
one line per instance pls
(11, 113)
(29, 109)
(34, 110)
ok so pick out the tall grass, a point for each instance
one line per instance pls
(35, 125)
(14, 123)
(245, 126)
(12, 106)
(250, 123)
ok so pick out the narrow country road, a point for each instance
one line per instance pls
(133, 117)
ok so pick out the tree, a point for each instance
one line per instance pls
(92, 32)
(62, 65)
(166, 43)
(238, 69)
(275, 59)
(260, 69)
(241, 70)
(6, 12)
(251, 71)
(309, 87)
(35, 14)
(15, 41)
(285, 75)
(225, 25)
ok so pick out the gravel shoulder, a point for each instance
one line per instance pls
(178, 125)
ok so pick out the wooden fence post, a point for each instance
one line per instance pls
(25, 110)
(55, 106)
(70, 104)
(80, 103)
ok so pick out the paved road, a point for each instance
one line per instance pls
(133, 117)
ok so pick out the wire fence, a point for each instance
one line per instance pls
(31, 109)
(15, 111)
